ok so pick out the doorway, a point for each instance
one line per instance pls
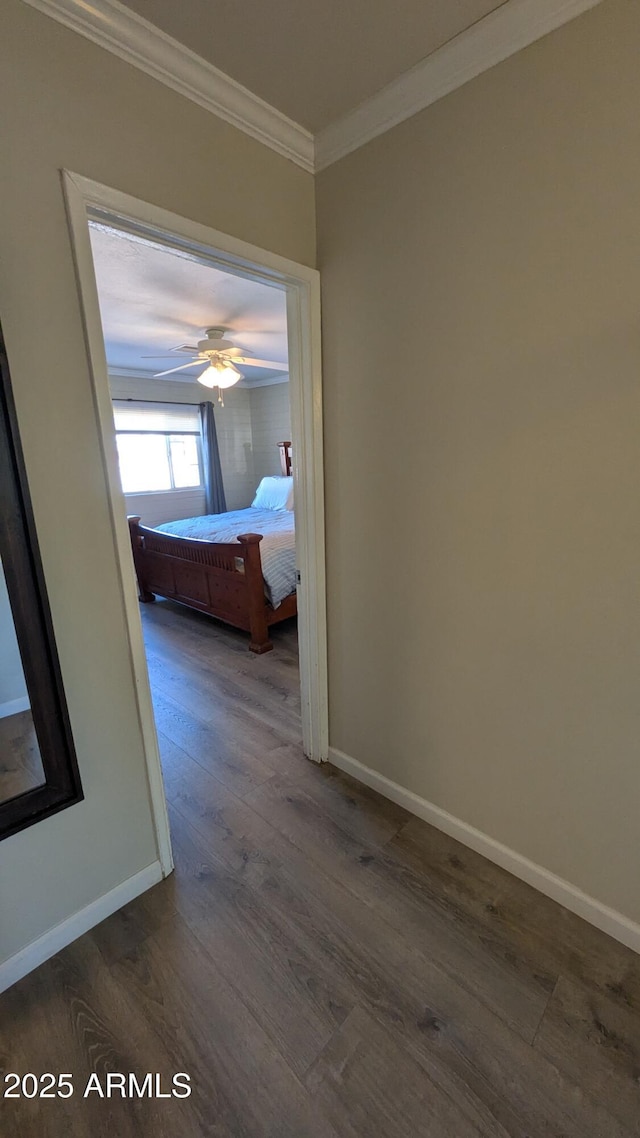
(90, 203)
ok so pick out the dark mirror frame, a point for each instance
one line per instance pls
(34, 630)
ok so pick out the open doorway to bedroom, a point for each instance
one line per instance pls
(209, 413)
(197, 359)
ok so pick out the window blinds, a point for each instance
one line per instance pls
(158, 418)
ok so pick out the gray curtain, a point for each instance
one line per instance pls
(214, 489)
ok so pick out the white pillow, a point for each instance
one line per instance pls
(274, 493)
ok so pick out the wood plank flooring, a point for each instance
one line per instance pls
(321, 963)
(20, 763)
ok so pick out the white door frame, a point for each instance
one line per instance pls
(87, 199)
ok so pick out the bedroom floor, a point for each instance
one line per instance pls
(321, 963)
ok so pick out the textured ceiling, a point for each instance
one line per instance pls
(316, 59)
(153, 298)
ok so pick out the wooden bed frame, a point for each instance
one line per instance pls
(286, 458)
(222, 579)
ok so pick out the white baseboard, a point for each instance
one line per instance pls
(14, 706)
(608, 920)
(60, 936)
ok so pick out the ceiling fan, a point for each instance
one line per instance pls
(221, 357)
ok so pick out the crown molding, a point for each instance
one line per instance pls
(129, 372)
(513, 26)
(270, 381)
(116, 372)
(113, 26)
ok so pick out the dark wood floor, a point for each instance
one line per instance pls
(321, 963)
(20, 763)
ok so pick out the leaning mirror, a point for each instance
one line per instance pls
(38, 768)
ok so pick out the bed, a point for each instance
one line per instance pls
(238, 567)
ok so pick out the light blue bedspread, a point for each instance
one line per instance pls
(277, 548)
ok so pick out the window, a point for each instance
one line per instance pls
(158, 446)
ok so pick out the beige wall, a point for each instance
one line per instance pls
(481, 312)
(66, 103)
(270, 425)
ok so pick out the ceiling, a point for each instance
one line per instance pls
(153, 298)
(315, 60)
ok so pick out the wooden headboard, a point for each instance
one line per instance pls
(286, 459)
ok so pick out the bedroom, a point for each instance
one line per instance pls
(204, 465)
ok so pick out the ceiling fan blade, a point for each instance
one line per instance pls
(182, 367)
(273, 365)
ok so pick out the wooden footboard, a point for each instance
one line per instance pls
(222, 579)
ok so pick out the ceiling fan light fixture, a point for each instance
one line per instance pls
(227, 374)
(220, 373)
(209, 377)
